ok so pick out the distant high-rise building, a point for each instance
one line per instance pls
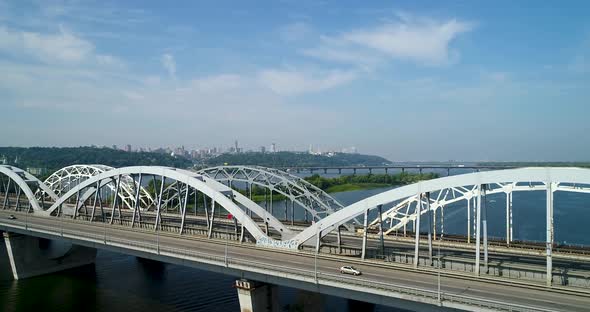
(263, 149)
(273, 148)
(128, 148)
(237, 149)
(114, 146)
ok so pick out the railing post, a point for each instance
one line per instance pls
(550, 233)
(468, 220)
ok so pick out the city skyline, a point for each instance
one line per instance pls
(406, 81)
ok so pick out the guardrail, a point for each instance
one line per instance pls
(443, 299)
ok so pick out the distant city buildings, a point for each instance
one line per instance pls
(209, 152)
(345, 150)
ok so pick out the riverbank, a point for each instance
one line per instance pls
(354, 187)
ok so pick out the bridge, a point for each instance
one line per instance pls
(194, 219)
(393, 168)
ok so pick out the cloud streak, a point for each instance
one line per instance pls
(418, 40)
(169, 64)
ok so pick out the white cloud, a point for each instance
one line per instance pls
(295, 31)
(169, 64)
(423, 41)
(222, 82)
(292, 82)
(63, 47)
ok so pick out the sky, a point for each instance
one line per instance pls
(407, 80)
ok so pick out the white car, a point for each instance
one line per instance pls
(349, 270)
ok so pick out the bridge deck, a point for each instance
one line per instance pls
(297, 269)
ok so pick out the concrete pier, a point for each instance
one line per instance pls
(257, 297)
(31, 256)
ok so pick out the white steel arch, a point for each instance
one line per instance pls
(400, 214)
(314, 200)
(209, 187)
(25, 180)
(554, 178)
(68, 177)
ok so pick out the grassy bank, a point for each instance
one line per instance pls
(354, 187)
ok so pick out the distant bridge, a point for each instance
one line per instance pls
(194, 219)
(393, 168)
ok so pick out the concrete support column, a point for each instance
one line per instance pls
(31, 256)
(257, 297)
(550, 233)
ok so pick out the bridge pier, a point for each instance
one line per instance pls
(31, 256)
(257, 297)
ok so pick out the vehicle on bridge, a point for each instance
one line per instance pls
(11, 217)
(347, 269)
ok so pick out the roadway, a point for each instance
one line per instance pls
(499, 290)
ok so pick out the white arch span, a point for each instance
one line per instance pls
(549, 177)
(23, 179)
(68, 177)
(211, 188)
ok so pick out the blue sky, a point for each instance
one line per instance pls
(408, 80)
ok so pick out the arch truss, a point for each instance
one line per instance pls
(404, 212)
(17, 184)
(428, 196)
(313, 200)
(85, 201)
(63, 180)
